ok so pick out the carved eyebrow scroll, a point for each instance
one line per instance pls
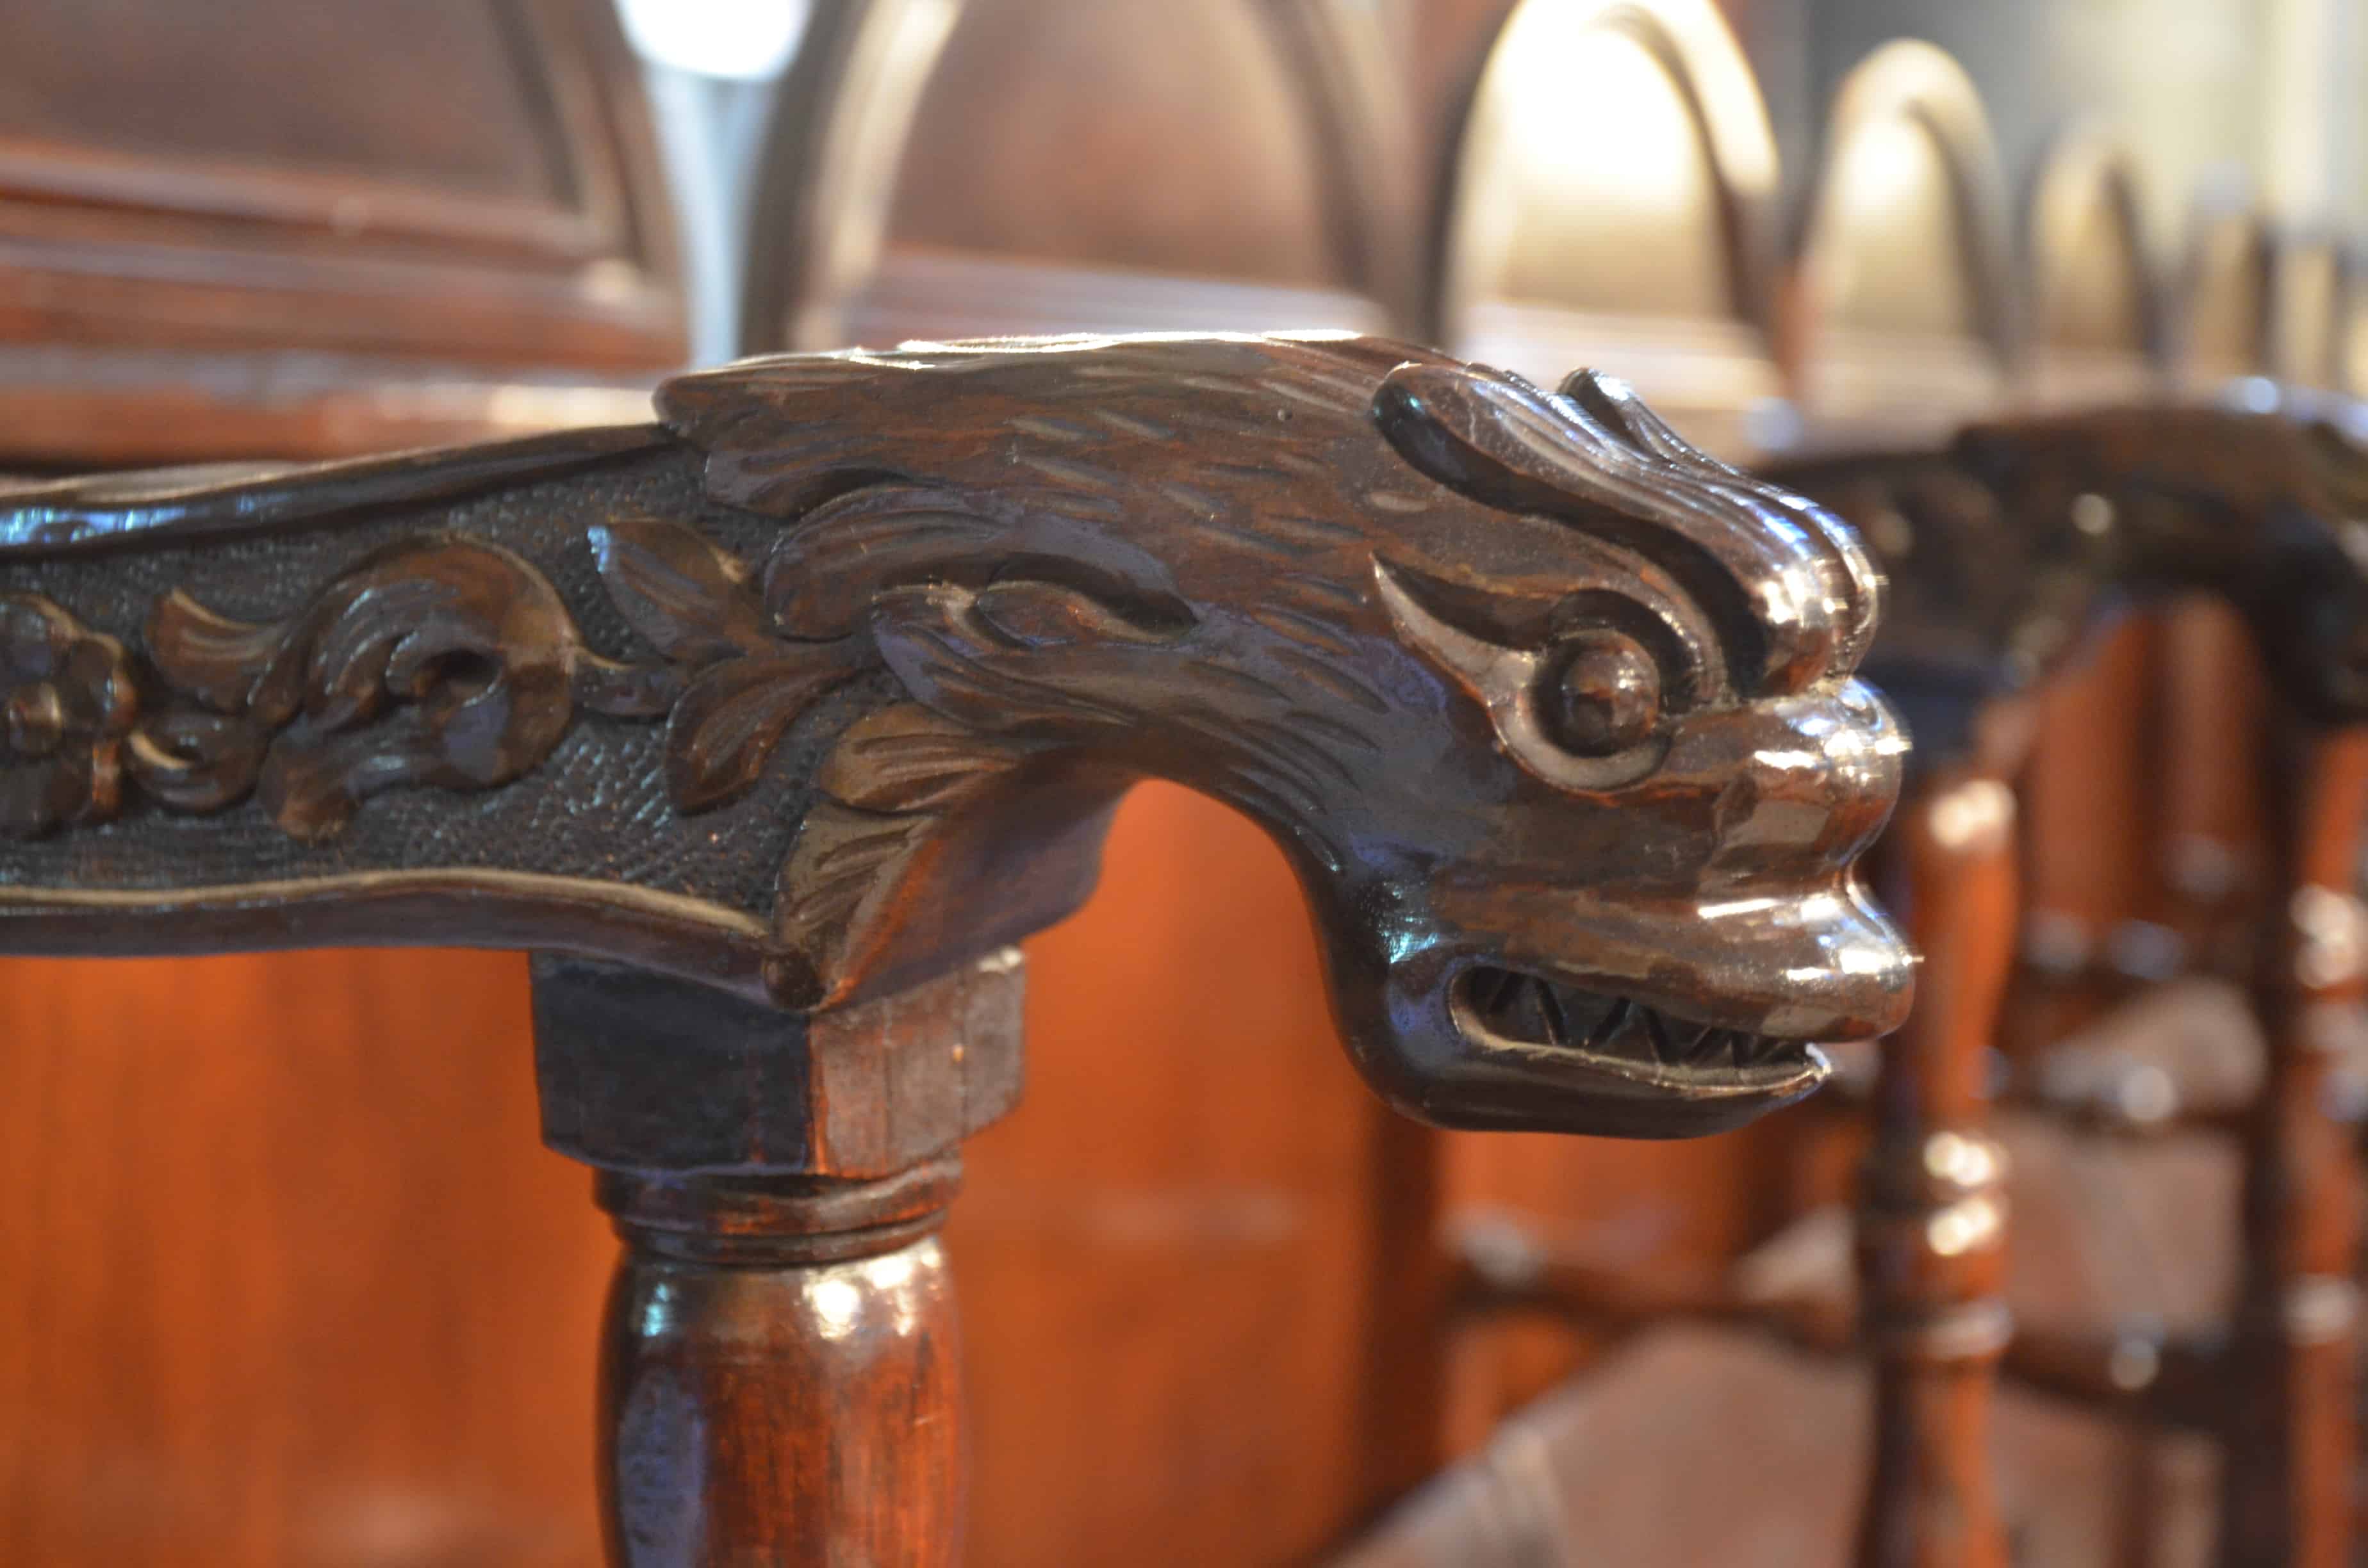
(1792, 594)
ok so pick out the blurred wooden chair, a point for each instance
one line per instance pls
(313, 1294)
(1611, 199)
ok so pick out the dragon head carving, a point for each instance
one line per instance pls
(1555, 716)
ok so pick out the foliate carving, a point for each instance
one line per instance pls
(1555, 716)
(70, 708)
(442, 660)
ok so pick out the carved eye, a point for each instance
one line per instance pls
(1583, 712)
(1598, 694)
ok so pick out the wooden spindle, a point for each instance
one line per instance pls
(1932, 1204)
(780, 1381)
(2291, 1435)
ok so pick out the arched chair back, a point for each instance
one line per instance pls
(1898, 312)
(2222, 324)
(2093, 295)
(940, 168)
(2312, 293)
(1609, 200)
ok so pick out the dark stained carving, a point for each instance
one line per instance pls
(1555, 716)
(69, 707)
(439, 660)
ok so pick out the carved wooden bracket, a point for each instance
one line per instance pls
(825, 686)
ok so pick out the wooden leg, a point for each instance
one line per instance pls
(778, 1376)
(1932, 1209)
(2292, 1440)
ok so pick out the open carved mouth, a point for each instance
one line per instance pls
(1505, 1008)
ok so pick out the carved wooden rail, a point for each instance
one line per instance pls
(773, 724)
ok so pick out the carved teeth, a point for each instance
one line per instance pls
(1663, 1052)
(1520, 1007)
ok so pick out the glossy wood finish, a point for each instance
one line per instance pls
(779, 1377)
(420, 637)
(1931, 1220)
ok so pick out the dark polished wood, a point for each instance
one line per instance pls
(1932, 1218)
(780, 1374)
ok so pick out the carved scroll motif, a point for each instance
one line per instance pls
(70, 708)
(441, 662)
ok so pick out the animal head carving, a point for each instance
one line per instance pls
(1555, 716)
(828, 686)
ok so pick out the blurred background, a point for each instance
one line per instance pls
(284, 1276)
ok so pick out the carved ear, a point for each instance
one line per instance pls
(1791, 592)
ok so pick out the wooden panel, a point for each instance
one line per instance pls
(2311, 299)
(267, 87)
(2094, 301)
(2223, 328)
(1899, 325)
(288, 1280)
(1165, 1256)
(1611, 196)
(428, 200)
(1088, 134)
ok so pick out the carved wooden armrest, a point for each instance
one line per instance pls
(773, 724)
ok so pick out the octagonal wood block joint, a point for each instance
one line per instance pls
(643, 1072)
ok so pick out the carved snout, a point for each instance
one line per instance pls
(1667, 979)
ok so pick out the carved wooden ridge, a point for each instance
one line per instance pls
(827, 684)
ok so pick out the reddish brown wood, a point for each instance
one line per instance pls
(779, 1379)
(2291, 1430)
(1932, 1211)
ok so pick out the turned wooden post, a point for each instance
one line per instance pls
(1932, 1216)
(2291, 1417)
(778, 1376)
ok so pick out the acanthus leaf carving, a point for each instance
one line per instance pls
(689, 600)
(439, 660)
